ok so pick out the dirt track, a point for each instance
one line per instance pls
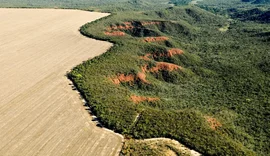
(40, 114)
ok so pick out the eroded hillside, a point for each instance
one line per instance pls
(173, 73)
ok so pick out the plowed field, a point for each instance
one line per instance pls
(40, 114)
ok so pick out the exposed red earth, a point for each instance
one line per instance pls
(146, 57)
(214, 123)
(129, 78)
(115, 33)
(174, 51)
(116, 30)
(164, 66)
(168, 53)
(155, 39)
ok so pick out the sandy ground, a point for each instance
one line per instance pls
(40, 114)
(172, 142)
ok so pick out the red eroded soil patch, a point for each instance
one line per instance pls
(164, 66)
(138, 99)
(141, 76)
(156, 39)
(123, 78)
(126, 78)
(214, 124)
(125, 26)
(146, 57)
(129, 78)
(144, 68)
(169, 53)
(115, 80)
(115, 33)
(174, 51)
(128, 25)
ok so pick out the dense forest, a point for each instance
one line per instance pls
(198, 74)
(258, 15)
(182, 73)
(257, 1)
(95, 5)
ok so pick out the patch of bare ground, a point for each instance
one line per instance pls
(155, 39)
(164, 66)
(146, 57)
(130, 78)
(40, 114)
(176, 147)
(125, 26)
(141, 76)
(115, 33)
(130, 25)
(116, 30)
(161, 66)
(213, 122)
(169, 53)
(159, 146)
(174, 51)
(225, 27)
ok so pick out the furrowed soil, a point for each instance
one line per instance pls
(40, 114)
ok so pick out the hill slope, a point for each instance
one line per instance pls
(256, 15)
(173, 73)
(258, 1)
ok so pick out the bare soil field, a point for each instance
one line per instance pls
(40, 114)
